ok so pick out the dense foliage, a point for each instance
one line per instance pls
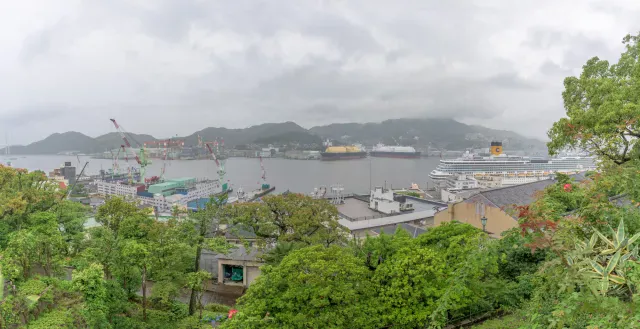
(603, 108)
(572, 263)
(131, 270)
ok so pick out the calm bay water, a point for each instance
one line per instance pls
(294, 175)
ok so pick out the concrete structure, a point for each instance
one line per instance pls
(495, 204)
(106, 188)
(452, 196)
(360, 220)
(65, 174)
(222, 266)
(172, 193)
(490, 182)
(458, 187)
(384, 201)
(461, 182)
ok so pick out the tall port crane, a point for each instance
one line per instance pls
(221, 172)
(142, 158)
(164, 160)
(115, 169)
(126, 159)
(264, 172)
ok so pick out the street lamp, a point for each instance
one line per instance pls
(483, 220)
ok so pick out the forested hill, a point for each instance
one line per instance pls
(439, 133)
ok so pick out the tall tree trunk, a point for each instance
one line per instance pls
(193, 300)
(107, 271)
(144, 292)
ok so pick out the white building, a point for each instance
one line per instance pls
(383, 200)
(517, 180)
(458, 187)
(462, 182)
(105, 189)
(200, 190)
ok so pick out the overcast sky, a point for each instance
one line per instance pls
(169, 67)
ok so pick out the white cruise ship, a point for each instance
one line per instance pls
(513, 169)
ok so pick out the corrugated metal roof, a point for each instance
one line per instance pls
(182, 179)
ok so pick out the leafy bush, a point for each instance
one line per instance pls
(219, 308)
(54, 319)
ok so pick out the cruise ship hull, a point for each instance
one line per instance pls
(399, 155)
(328, 156)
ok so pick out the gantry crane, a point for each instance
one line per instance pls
(221, 172)
(140, 159)
(115, 167)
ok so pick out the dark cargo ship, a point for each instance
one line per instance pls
(343, 153)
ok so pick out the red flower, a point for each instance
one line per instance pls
(232, 312)
(567, 187)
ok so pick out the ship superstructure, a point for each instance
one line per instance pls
(512, 169)
(405, 152)
(343, 153)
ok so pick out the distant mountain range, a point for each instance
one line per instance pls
(439, 133)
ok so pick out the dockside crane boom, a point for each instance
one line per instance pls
(264, 172)
(164, 161)
(142, 159)
(221, 172)
(72, 187)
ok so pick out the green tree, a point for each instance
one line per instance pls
(23, 193)
(409, 285)
(206, 234)
(290, 218)
(137, 254)
(376, 250)
(171, 256)
(71, 217)
(120, 220)
(19, 256)
(603, 108)
(197, 281)
(50, 244)
(313, 287)
(90, 282)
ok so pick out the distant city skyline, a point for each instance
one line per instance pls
(172, 67)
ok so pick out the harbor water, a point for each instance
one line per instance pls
(299, 176)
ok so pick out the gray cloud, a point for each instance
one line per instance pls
(174, 66)
(24, 116)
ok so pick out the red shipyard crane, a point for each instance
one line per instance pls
(140, 159)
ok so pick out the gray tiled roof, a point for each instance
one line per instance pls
(520, 195)
(512, 195)
(239, 232)
(240, 253)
